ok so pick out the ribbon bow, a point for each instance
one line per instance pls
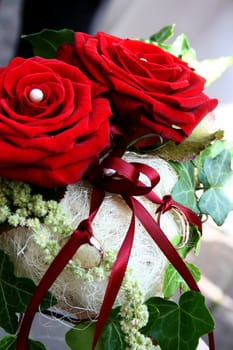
(117, 176)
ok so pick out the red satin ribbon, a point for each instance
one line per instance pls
(152, 227)
(126, 182)
(116, 276)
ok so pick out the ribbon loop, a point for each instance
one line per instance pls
(167, 204)
(122, 177)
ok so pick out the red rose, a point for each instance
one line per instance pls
(54, 122)
(151, 90)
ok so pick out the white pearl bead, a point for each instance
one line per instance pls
(109, 172)
(176, 127)
(36, 95)
(143, 59)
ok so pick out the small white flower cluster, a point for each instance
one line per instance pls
(19, 207)
(96, 272)
(134, 314)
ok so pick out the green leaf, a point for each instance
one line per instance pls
(15, 294)
(217, 200)
(153, 316)
(164, 34)
(47, 42)
(184, 190)
(181, 47)
(9, 343)
(112, 336)
(173, 280)
(193, 242)
(35, 345)
(81, 337)
(218, 169)
(214, 202)
(179, 326)
(212, 151)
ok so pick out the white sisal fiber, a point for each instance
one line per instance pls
(147, 262)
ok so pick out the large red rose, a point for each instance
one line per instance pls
(151, 90)
(54, 122)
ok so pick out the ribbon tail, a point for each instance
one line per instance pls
(169, 251)
(211, 341)
(115, 280)
(77, 239)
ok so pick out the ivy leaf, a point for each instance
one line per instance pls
(179, 326)
(15, 294)
(218, 169)
(9, 343)
(184, 190)
(173, 280)
(163, 35)
(81, 337)
(112, 336)
(47, 42)
(216, 201)
(194, 239)
(212, 151)
(153, 315)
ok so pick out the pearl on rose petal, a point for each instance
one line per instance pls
(109, 172)
(143, 59)
(176, 127)
(36, 95)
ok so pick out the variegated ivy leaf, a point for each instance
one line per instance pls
(184, 190)
(217, 200)
(212, 151)
(15, 294)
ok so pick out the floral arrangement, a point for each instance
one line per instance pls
(109, 163)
